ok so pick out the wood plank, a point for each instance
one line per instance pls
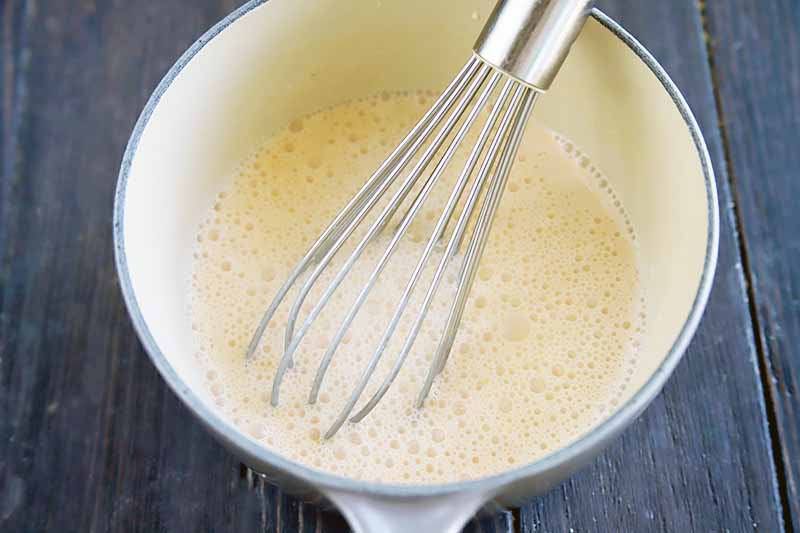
(756, 52)
(90, 438)
(700, 457)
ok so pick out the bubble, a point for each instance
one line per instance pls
(505, 405)
(515, 327)
(537, 385)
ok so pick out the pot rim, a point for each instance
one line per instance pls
(244, 446)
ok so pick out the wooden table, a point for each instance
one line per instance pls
(91, 439)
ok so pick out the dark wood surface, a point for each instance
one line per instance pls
(756, 48)
(90, 438)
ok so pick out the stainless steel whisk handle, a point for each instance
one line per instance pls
(530, 39)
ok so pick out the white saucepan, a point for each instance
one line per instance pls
(265, 63)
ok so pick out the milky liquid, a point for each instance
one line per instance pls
(546, 348)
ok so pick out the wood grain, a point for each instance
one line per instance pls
(90, 438)
(756, 50)
(700, 458)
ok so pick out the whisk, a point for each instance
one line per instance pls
(521, 48)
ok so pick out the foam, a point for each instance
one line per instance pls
(548, 341)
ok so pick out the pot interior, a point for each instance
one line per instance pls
(285, 58)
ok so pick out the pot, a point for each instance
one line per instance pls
(260, 67)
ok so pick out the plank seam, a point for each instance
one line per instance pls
(516, 520)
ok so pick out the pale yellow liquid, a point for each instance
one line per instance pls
(546, 348)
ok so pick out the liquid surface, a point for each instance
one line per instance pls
(548, 341)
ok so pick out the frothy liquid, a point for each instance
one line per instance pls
(546, 348)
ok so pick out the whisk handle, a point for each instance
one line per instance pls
(530, 39)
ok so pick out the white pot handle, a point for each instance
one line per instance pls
(368, 513)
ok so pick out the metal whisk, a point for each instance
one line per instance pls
(522, 45)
